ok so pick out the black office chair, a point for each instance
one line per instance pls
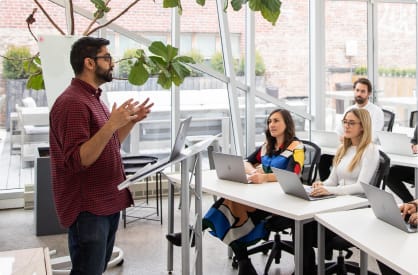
(131, 164)
(278, 224)
(413, 119)
(340, 244)
(310, 166)
(389, 120)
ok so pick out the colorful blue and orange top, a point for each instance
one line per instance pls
(290, 158)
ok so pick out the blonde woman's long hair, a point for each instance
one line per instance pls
(366, 138)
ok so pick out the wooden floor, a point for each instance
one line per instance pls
(12, 175)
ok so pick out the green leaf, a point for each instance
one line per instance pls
(138, 74)
(184, 59)
(180, 70)
(171, 52)
(201, 2)
(270, 10)
(170, 3)
(158, 62)
(164, 81)
(236, 4)
(255, 5)
(158, 48)
(36, 82)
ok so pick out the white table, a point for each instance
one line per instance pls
(409, 103)
(25, 261)
(386, 243)
(270, 197)
(346, 96)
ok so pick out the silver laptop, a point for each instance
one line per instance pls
(325, 138)
(291, 185)
(175, 153)
(230, 167)
(385, 208)
(395, 143)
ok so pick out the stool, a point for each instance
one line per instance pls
(131, 164)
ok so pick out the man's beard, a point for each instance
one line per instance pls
(104, 75)
(360, 100)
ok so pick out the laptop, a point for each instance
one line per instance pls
(291, 185)
(395, 143)
(385, 208)
(230, 167)
(326, 138)
(175, 153)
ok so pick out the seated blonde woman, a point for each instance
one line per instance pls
(356, 159)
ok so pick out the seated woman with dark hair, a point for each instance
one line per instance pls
(238, 225)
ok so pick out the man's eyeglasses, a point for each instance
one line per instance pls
(349, 123)
(107, 58)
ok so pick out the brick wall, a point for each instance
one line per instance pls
(285, 47)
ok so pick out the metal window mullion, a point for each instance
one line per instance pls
(175, 90)
(250, 79)
(229, 71)
(317, 62)
(372, 46)
(416, 55)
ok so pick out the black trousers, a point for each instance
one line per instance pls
(397, 175)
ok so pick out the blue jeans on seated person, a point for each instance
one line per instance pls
(90, 241)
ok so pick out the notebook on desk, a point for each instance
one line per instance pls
(385, 208)
(395, 143)
(230, 167)
(292, 185)
(175, 153)
(325, 138)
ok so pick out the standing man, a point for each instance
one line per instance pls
(362, 91)
(86, 164)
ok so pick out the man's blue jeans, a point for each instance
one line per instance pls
(90, 241)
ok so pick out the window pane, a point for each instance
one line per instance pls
(345, 53)
(397, 30)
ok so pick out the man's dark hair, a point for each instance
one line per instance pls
(85, 47)
(364, 81)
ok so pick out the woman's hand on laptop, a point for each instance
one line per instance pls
(317, 184)
(318, 190)
(257, 177)
(408, 208)
(413, 219)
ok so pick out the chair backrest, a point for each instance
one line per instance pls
(389, 120)
(382, 171)
(413, 119)
(312, 157)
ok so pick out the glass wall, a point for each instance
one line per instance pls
(396, 59)
(345, 55)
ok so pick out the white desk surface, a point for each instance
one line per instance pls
(25, 261)
(386, 243)
(270, 197)
(408, 101)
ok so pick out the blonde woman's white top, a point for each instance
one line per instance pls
(343, 182)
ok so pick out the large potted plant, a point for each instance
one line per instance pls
(165, 63)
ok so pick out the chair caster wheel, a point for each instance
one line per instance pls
(234, 264)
